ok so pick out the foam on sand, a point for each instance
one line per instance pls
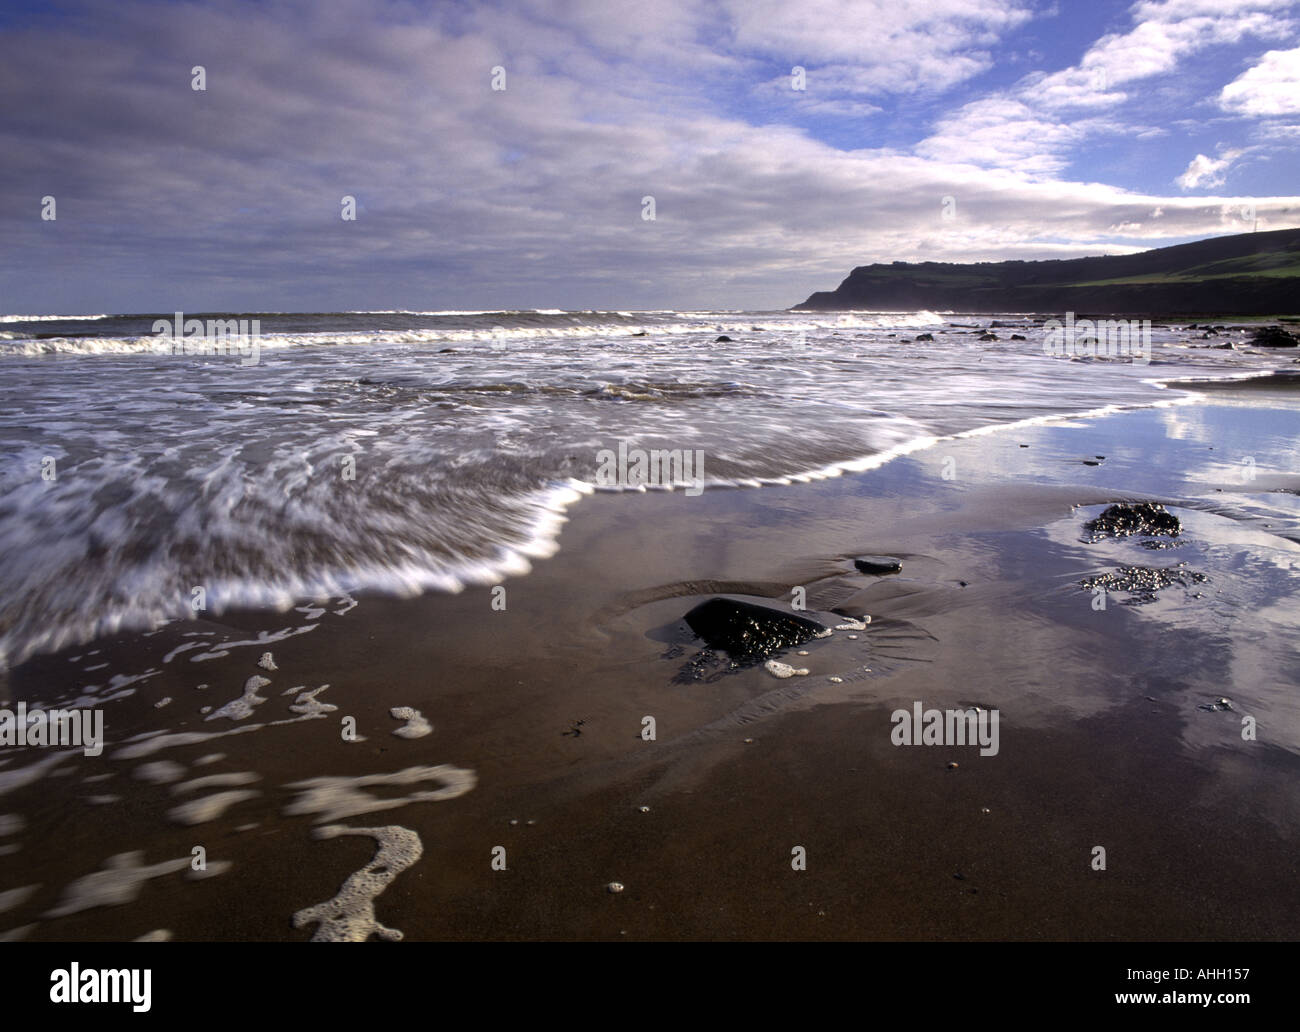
(335, 798)
(209, 808)
(120, 880)
(242, 708)
(350, 915)
(415, 727)
(160, 772)
(241, 777)
(15, 897)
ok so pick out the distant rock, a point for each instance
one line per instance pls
(1274, 337)
(923, 336)
(1017, 336)
(988, 336)
(724, 339)
(1125, 519)
(878, 564)
(750, 632)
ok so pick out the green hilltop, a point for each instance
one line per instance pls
(1242, 274)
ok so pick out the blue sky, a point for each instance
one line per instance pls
(1056, 130)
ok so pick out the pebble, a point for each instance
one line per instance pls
(614, 886)
(645, 809)
(749, 741)
(985, 809)
(952, 766)
(513, 823)
(803, 652)
(835, 680)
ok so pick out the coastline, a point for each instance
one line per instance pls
(1112, 749)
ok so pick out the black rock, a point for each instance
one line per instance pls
(1017, 336)
(988, 336)
(724, 339)
(1140, 518)
(878, 564)
(1274, 337)
(924, 336)
(746, 631)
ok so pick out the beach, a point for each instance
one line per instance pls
(1162, 728)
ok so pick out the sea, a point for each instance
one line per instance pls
(404, 451)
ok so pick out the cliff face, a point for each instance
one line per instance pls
(1245, 274)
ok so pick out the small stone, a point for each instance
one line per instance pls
(749, 741)
(878, 564)
(513, 822)
(835, 680)
(614, 886)
(644, 809)
(803, 652)
(985, 809)
(952, 766)
(530, 823)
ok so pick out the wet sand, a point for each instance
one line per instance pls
(1104, 738)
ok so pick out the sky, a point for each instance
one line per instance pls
(508, 155)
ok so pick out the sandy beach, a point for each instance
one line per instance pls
(1112, 731)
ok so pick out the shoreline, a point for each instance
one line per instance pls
(593, 635)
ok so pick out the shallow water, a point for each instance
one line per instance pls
(357, 453)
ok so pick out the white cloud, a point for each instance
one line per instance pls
(1034, 126)
(1208, 171)
(1271, 87)
(889, 46)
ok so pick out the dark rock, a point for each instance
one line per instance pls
(746, 631)
(449, 351)
(1274, 337)
(1143, 582)
(724, 339)
(988, 336)
(1125, 518)
(1017, 336)
(878, 564)
(640, 333)
(924, 336)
